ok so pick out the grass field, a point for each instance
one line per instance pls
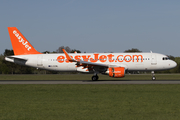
(89, 102)
(88, 77)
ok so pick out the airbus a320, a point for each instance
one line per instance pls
(112, 64)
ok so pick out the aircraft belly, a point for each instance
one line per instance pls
(72, 67)
(66, 67)
(135, 66)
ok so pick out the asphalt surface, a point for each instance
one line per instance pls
(89, 82)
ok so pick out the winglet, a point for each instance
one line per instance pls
(20, 44)
(68, 57)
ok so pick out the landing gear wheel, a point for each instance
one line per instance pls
(95, 78)
(153, 75)
(153, 78)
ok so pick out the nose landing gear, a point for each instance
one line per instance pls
(153, 75)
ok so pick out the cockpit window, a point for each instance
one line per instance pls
(165, 58)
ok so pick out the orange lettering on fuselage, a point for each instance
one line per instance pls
(119, 58)
(60, 59)
(127, 58)
(86, 58)
(67, 61)
(103, 58)
(137, 56)
(110, 57)
(95, 59)
(77, 57)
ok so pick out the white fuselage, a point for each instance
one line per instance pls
(130, 61)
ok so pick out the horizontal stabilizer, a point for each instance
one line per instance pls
(16, 59)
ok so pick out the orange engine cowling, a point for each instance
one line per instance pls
(117, 72)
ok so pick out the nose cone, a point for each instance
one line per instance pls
(173, 64)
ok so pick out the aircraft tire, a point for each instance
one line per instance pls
(95, 78)
(153, 78)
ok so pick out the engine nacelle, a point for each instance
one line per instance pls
(117, 72)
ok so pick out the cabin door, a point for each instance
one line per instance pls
(153, 59)
(39, 60)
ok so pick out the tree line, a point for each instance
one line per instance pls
(12, 68)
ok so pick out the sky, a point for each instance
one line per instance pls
(94, 25)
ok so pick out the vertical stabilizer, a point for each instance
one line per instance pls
(20, 44)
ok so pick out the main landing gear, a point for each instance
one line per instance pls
(153, 75)
(95, 77)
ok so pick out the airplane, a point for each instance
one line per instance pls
(112, 64)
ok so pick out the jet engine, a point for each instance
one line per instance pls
(116, 72)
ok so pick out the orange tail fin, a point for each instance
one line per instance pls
(20, 44)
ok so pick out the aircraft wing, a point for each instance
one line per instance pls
(92, 64)
(84, 63)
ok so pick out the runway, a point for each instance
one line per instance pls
(89, 82)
